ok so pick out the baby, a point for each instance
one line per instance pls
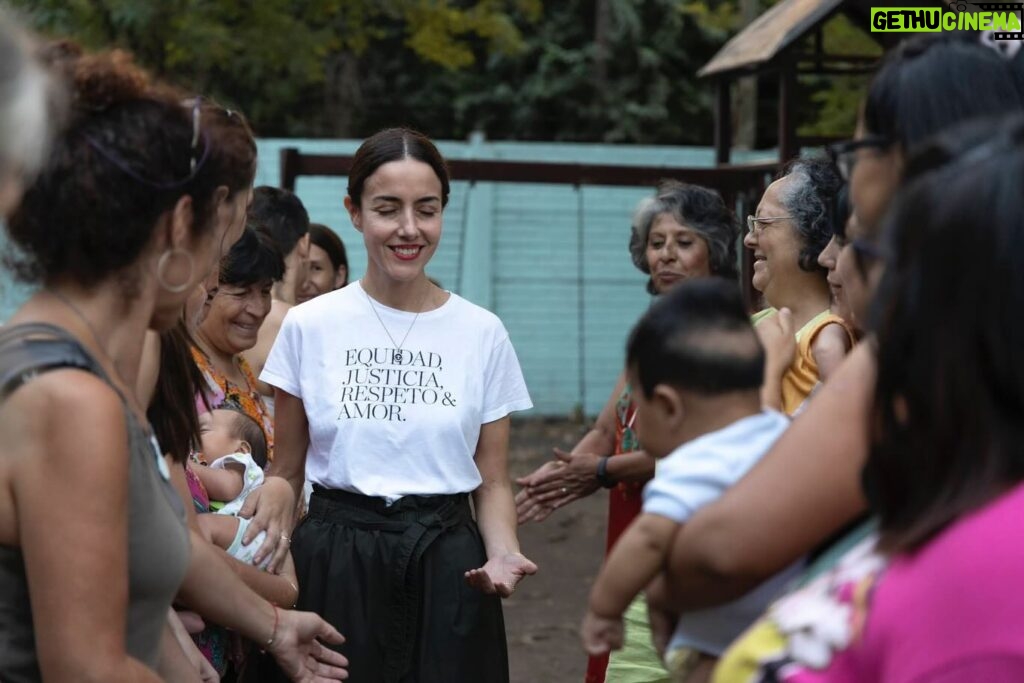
(696, 366)
(236, 448)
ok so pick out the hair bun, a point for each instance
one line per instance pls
(102, 80)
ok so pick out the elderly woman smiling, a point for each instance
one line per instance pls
(239, 307)
(791, 228)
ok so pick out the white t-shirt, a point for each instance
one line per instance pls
(690, 477)
(386, 427)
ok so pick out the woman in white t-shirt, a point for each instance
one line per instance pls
(393, 398)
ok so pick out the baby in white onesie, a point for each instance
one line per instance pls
(236, 449)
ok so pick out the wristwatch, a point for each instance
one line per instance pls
(602, 474)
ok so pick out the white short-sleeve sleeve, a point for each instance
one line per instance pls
(284, 361)
(683, 485)
(504, 387)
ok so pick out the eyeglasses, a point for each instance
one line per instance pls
(843, 154)
(752, 222)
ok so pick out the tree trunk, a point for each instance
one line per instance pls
(602, 19)
(343, 96)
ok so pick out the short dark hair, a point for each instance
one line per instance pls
(281, 214)
(395, 144)
(331, 243)
(124, 159)
(929, 83)
(697, 337)
(255, 257)
(698, 207)
(249, 430)
(948, 412)
(810, 199)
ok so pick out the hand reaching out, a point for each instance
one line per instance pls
(501, 574)
(301, 654)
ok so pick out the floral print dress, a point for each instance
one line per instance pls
(220, 392)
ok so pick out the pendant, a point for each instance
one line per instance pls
(398, 356)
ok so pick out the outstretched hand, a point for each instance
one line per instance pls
(301, 654)
(501, 574)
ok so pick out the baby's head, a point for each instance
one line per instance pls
(224, 431)
(695, 364)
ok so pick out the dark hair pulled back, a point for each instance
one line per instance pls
(395, 144)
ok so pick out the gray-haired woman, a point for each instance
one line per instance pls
(682, 231)
(792, 225)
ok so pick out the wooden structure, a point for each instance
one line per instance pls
(788, 40)
(733, 183)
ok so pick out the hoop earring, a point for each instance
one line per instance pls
(161, 266)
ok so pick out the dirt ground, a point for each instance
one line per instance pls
(542, 618)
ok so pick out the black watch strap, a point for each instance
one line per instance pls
(602, 474)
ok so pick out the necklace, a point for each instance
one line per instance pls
(398, 347)
(85, 321)
(89, 326)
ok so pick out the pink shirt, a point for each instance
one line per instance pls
(951, 612)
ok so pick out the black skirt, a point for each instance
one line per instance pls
(390, 579)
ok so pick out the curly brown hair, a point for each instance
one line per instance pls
(130, 151)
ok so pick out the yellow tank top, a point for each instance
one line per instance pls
(802, 376)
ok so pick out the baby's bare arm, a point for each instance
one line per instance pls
(222, 484)
(640, 553)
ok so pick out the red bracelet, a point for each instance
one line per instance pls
(273, 634)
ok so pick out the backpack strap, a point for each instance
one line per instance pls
(30, 349)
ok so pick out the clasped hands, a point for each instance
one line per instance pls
(555, 484)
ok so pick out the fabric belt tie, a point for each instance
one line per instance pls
(420, 520)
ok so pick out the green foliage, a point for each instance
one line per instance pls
(833, 102)
(720, 19)
(586, 70)
(268, 56)
(637, 83)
